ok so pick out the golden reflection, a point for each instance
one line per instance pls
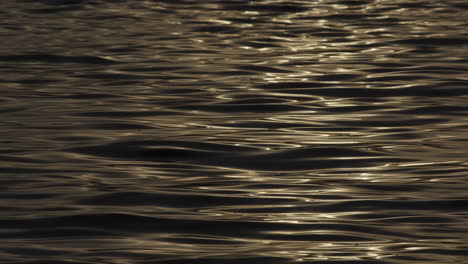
(336, 251)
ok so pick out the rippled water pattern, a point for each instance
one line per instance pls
(258, 132)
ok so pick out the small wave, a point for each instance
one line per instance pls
(49, 58)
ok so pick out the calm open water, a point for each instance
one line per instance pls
(258, 132)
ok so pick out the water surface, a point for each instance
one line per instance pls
(237, 131)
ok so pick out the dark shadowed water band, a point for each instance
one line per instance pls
(228, 132)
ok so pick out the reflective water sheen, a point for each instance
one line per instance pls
(262, 132)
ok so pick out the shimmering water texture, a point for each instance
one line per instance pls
(227, 132)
